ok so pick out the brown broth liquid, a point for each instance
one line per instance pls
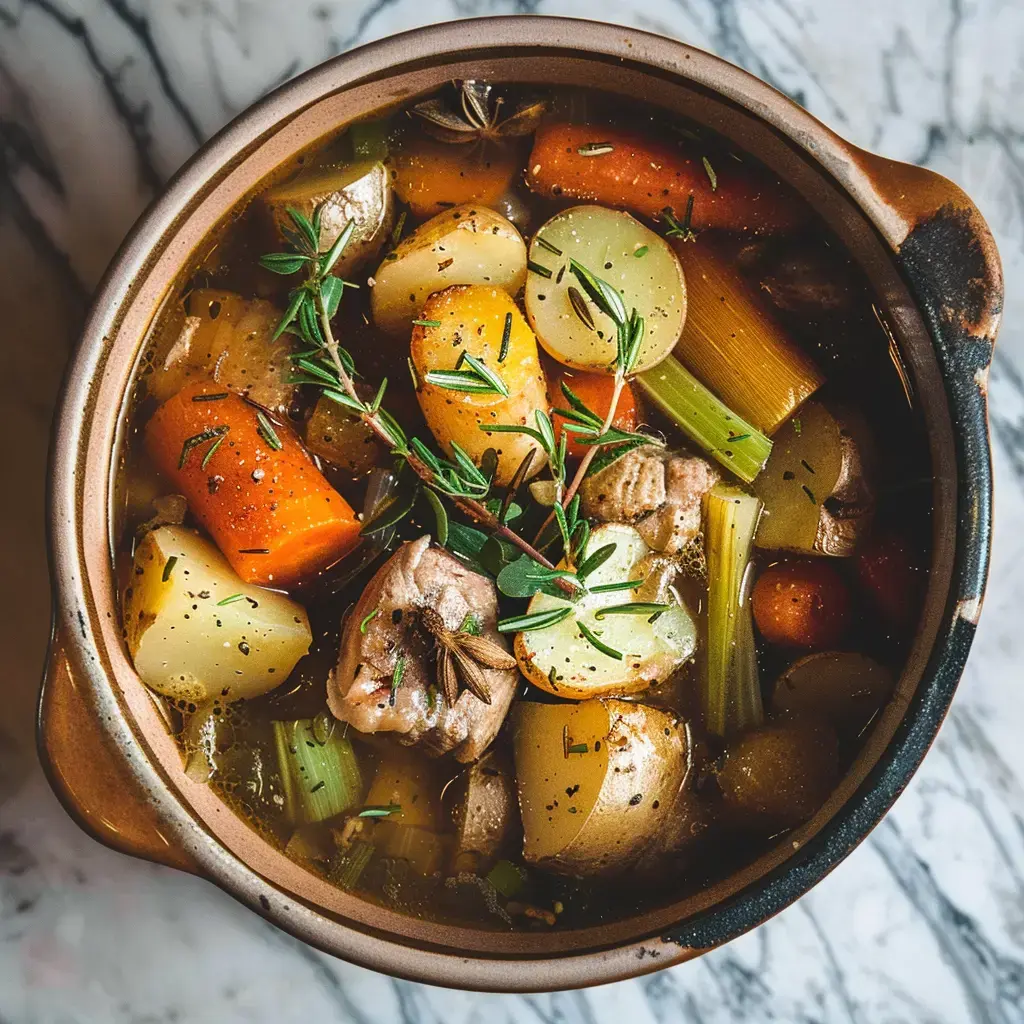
(231, 745)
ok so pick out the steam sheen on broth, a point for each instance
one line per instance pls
(519, 495)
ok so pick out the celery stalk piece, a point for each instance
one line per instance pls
(736, 444)
(732, 690)
(319, 772)
(349, 865)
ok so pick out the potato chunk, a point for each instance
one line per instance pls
(472, 319)
(227, 338)
(561, 660)
(196, 632)
(358, 191)
(466, 245)
(595, 781)
(630, 257)
(816, 486)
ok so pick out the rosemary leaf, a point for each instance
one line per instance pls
(538, 620)
(595, 642)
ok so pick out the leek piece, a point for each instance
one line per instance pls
(350, 863)
(321, 779)
(732, 690)
(704, 419)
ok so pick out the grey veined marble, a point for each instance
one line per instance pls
(100, 100)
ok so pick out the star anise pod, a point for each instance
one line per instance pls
(461, 658)
(477, 115)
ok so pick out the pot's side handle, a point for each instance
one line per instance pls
(947, 251)
(949, 259)
(93, 782)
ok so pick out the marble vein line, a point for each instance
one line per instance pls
(993, 983)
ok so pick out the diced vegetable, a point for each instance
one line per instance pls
(227, 338)
(649, 644)
(886, 573)
(467, 245)
(319, 771)
(844, 688)
(342, 439)
(735, 347)
(816, 486)
(359, 191)
(717, 430)
(595, 391)
(596, 781)
(406, 781)
(350, 863)
(777, 776)
(647, 174)
(251, 484)
(196, 632)
(431, 176)
(471, 321)
(801, 604)
(567, 323)
(485, 812)
(507, 878)
(732, 692)
(422, 848)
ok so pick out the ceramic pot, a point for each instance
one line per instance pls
(934, 267)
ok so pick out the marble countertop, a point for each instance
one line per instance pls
(100, 100)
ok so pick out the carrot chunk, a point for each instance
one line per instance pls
(595, 391)
(647, 175)
(251, 484)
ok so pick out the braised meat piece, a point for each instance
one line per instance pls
(658, 492)
(424, 606)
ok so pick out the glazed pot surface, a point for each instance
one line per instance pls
(931, 261)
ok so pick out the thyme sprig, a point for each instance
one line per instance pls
(328, 366)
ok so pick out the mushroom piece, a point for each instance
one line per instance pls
(421, 656)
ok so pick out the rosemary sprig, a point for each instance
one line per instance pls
(329, 367)
(477, 380)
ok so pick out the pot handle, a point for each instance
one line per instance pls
(947, 254)
(949, 259)
(89, 778)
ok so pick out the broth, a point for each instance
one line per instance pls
(650, 686)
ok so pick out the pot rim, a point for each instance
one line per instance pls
(75, 609)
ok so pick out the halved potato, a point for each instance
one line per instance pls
(816, 486)
(485, 812)
(844, 688)
(596, 781)
(196, 632)
(466, 245)
(561, 660)
(630, 257)
(472, 319)
(359, 191)
(407, 780)
(227, 338)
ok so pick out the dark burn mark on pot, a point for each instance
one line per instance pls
(265, 903)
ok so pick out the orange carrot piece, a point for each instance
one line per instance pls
(271, 512)
(647, 175)
(595, 391)
(434, 176)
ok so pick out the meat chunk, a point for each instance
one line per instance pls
(658, 492)
(418, 578)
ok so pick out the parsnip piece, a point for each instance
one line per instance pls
(630, 257)
(562, 661)
(472, 319)
(486, 816)
(358, 191)
(596, 781)
(466, 245)
(188, 645)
